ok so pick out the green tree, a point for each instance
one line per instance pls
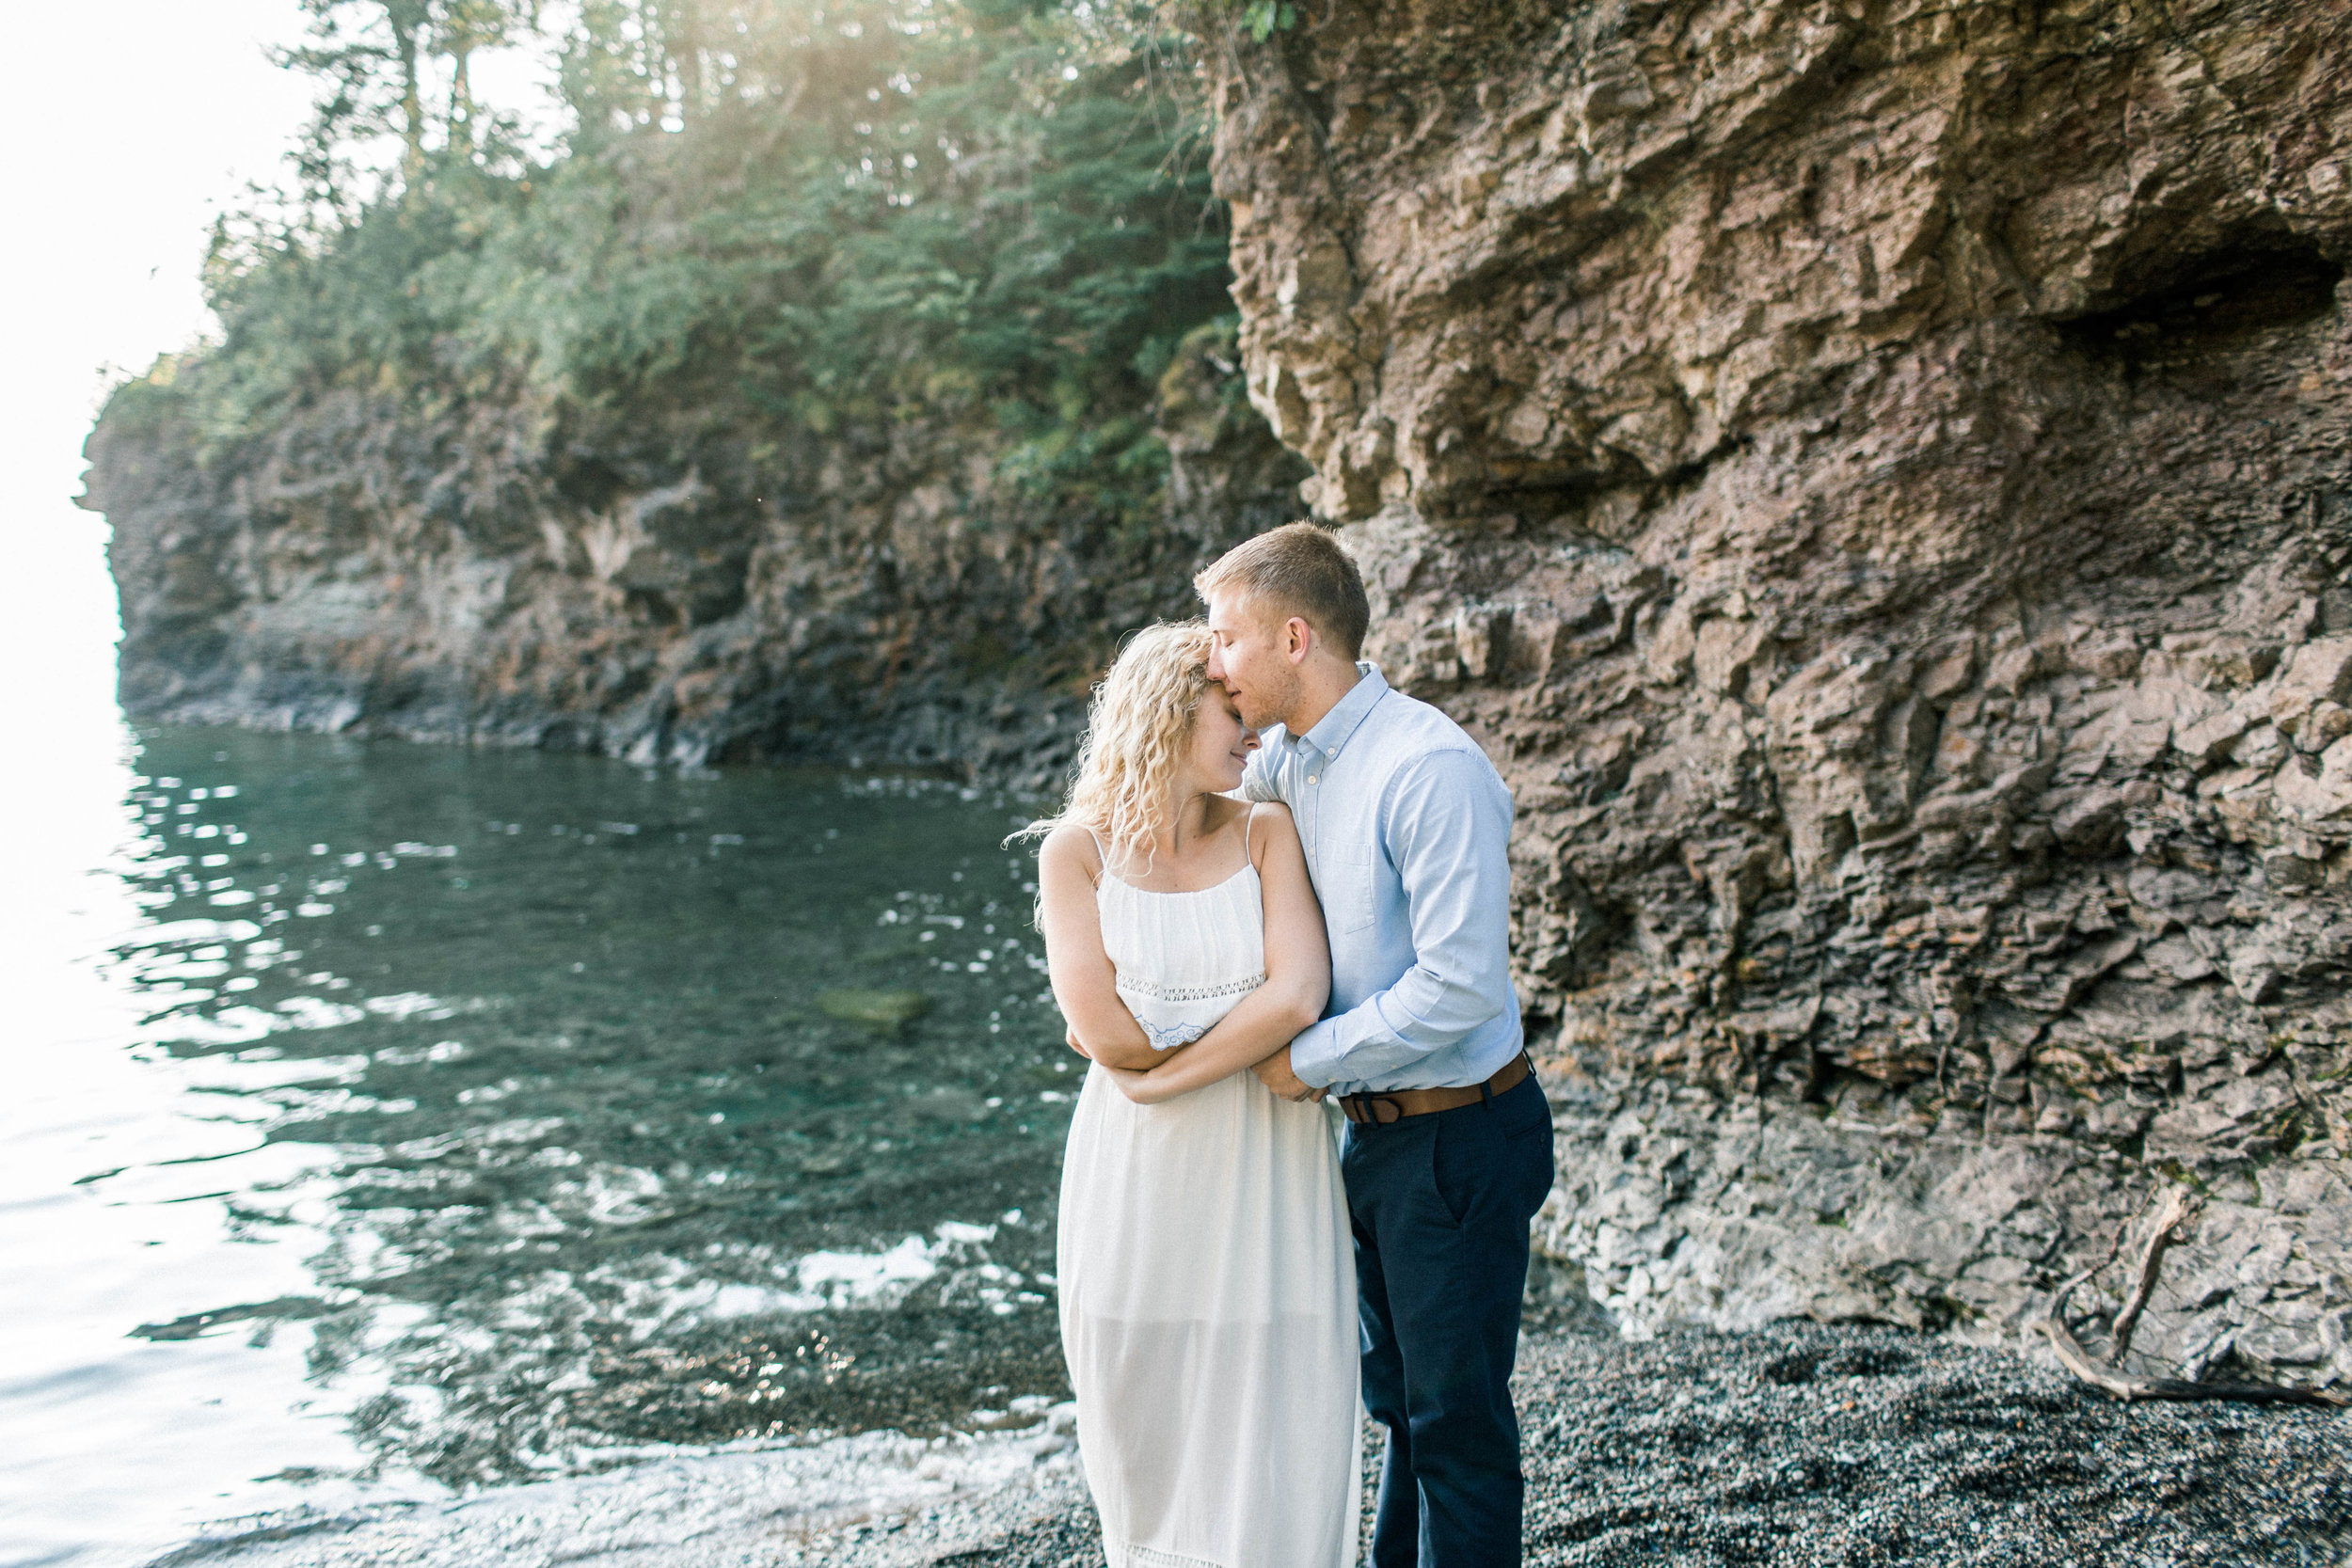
(375, 60)
(794, 215)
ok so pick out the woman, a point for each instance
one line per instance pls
(1208, 1290)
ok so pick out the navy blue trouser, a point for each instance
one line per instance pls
(1441, 1206)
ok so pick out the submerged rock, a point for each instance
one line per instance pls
(888, 1010)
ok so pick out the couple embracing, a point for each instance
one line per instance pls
(1237, 929)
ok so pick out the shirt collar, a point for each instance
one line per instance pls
(1334, 727)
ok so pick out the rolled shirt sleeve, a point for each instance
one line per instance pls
(1446, 825)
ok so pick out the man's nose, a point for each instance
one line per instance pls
(1216, 665)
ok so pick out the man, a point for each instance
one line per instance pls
(1448, 1148)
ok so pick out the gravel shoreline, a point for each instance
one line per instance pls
(1796, 1444)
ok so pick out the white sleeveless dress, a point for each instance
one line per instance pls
(1207, 1275)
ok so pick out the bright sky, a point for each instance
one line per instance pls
(113, 178)
(111, 185)
(115, 167)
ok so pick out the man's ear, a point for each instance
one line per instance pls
(1299, 639)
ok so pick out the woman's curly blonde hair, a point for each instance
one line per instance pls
(1123, 787)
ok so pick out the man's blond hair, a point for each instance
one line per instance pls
(1297, 569)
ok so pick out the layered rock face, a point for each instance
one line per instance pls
(1876, 480)
(661, 585)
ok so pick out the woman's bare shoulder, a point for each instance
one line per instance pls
(1271, 823)
(1071, 844)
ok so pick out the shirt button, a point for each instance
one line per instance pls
(1311, 778)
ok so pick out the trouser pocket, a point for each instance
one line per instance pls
(1491, 1163)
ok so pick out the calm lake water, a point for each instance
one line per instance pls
(395, 1117)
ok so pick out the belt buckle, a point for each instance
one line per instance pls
(1364, 1109)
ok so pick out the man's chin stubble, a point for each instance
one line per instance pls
(1269, 715)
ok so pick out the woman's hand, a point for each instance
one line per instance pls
(1141, 1086)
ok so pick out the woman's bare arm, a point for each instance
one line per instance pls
(1298, 977)
(1085, 983)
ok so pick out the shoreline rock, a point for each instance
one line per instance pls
(665, 585)
(1680, 1209)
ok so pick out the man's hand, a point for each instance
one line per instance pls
(1275, 1074)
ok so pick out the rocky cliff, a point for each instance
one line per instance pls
(661, 584)
(1875, 476)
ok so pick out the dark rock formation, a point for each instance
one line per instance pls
(662, 585)
(1875, 476)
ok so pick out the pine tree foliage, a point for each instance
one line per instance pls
(805, 216)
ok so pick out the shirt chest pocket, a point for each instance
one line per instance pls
(1349, 902)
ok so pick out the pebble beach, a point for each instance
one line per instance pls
(1798, 1444)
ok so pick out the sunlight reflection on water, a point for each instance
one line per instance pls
(382, 1112)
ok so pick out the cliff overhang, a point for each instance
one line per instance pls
(1876, 480)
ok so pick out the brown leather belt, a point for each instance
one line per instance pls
(1379, 1109)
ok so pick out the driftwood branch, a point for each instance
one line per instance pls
(2178, 1206)
(2134, 1388)
(2058, 1300)
(2115, 1248)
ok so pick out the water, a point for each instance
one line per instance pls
(394, 1118)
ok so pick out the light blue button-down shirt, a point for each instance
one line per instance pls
(1408, 830)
